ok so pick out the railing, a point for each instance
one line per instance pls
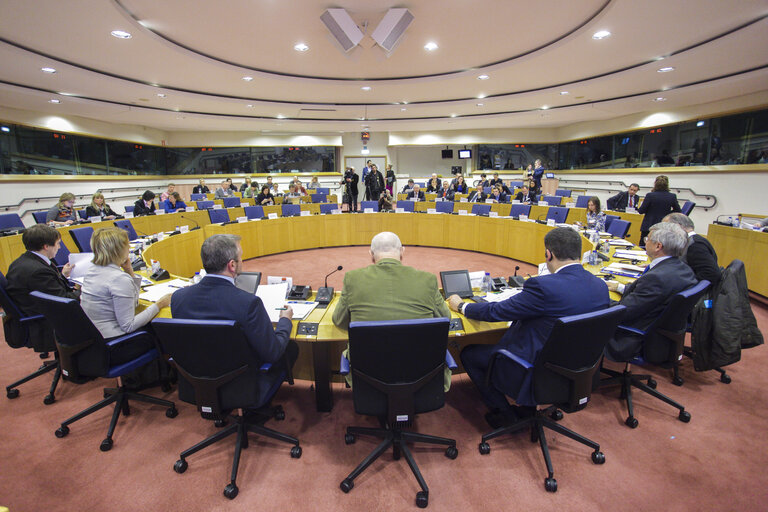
(615, 186)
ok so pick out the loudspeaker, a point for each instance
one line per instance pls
(391, 28)
(343, 28)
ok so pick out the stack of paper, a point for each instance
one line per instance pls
(617, 241)
(502, 295)
(630, 255)
(156, 292)
(623, 269)
(273, 297)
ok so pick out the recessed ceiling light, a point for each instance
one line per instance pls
(660, 99)
(67, 93)
(5, 129)
(563, 93)
(544, 107)
(700, 124)
(483, 77)
(405, 103)
(666, 69)
(601, 34)
(48, 70)
(160, 95)
(54, 100)
(403, 109)
(121, 34)
(453, 115)
(247, 78)
(480, 104)
(280, 116)
(300, 47)
(480, 96)
(431, 46)
(366, 87)
(249, 105)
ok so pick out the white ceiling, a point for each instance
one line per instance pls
(197, 51)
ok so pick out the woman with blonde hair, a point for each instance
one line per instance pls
(99, 208)
(62, 213)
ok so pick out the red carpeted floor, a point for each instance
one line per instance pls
(715, 462)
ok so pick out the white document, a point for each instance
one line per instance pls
(301, 308)
(242, 219)
(463, 212)
(82, 261)
(305, 213)
(273, 297)
(502, 295)
(493, 214)
(551, 222)
(570, 205)
(370, 210)
(623, 267)
(190, 209)
(631, 255)
(625, 243)
(217, 207)
(159, 211)
(156, 292)
(279, 280)
(543, 269)
(94, 219)
(184, 229)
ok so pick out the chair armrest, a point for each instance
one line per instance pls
(127, 337)
(630, 330)
(33, 318)
(344, 366)
(502, 352)
(450, 361)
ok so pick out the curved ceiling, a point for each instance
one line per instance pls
(183, 67)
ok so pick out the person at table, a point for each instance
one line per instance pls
(496, 180)
(444, 190)
(390, 179)
(201, 188)
(460, 186)
(265, 197)
(223, 190)
(35, 270)
(624, 200)
(298, 187)
(99, 208)
(349, 182)
(385, 201)
(416, 194)
(167, 192)
(388, 290)
(216, 297)
(646, 297)
(435, 187)
(524, 195)
(144, 205)
(110, 294)
(567, 290)
(252, 191)
(477, 195)
(314, 184)
(174, 203)
(657, 204)
(699, 253)
(498, 195)
(595, 216)
(483, 182)
(408, 186)
(231, 186)
(245, 185)
(292, 192)
(63, 212)
(276, 190)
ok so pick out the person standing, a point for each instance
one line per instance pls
(350, 189)
(390, 179)
(375, 183)
(657, 204)
(366, 170)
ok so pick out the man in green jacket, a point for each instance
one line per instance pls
(389, 290)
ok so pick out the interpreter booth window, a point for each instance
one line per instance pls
(740, 139)
(128, 158)
(500, 157)
(90, 154)
(294, 159)
(34, 151)
(592, 153)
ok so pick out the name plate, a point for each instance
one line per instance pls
(631, 210)
(160, 212)
(523, 217)
(190, 209)
(431, 210)
(570, 205)
(243, 205)
(128, 215)
(219, 207)
(490, 201)
(272, 216)
(399, 210)
(183, 229)
(94, 219)
(368, 210)
(305, 213)
(335, 211)
(493, 214)
(464, 200)
(543, 203)
(551, 222)
(515, 201)
(463, 212)
(242, 219)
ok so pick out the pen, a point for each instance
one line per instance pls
(280, 309)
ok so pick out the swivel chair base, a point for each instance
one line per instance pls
(628, 380)
(120, 397)
(397, 439)
(537, 423)
(11, 392)
(250, 421)
(724, 377)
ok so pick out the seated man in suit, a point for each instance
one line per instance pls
(647, 297)
(624, 200)
(498, 194)
(477, 195)
(35, 270)
(389, 290)
(416, 194)
(496, 180)
(699, 253)
(223, 190)
(524, 196)
(408, 187)
(217, 298)
(567, 290)
(200, 188)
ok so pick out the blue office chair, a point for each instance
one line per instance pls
(328, 208)
(481, 209)
(197, 197)
(319, 198)
(219, 372)
(82, 238)
(125, 224)
(205, 205)
(618, 228)
(562, 375)
(395, 389)
(551, 200)
(323, 190)
(687, 207)
(10, 221)
(254, 212)
(369, 204)
(231, 202)
(62, 257)
(487, 190)
(582, 201)
(662, 345)
(563, 193)
(609, 220)
(444, 206)
(407, 206)
(218, 215)
(515, 184)
(559, 213)
(129, 209)
(291, 210)
(85, 354)
(516, 210)
(82, 214)
(40, 216)
(30, 331)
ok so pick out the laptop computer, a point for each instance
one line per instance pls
(248, 281)
(458, 282)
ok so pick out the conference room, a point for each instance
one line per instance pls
(125, 97)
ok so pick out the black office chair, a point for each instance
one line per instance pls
(562, 376)
(662, 345)
(18, 328)
(85, 354)
(218, 372)
(397, 371)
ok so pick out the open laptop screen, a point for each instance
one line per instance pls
(456, 281)
(248, 281)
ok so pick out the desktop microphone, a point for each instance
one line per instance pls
(722, 223)
(332, 272)
(197, 225)
(325, 294)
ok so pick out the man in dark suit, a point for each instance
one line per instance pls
(217, 298)
(374, 183)
(624, 200)
(416, 194)
(477, 195)
(647, 297)
(496, 180)
(524, 196)
(699, 253)
(201, 188)
(350, 189)
(35, 271)
(567, 290)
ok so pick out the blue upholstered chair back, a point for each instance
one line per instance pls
(559, 213)
(407, 206)
(126, 225)
(219, 215)
(517, 210)
(444, 206)
(619, 228)
(687, 207)
(582, 201)
(204, 205)
(231, 202)
(82, 238)
(197, 197)
(291, 210)
(369, 204)
(10, 220)
(40, 216)
(328, 208)
(254, 212)
(481, 209)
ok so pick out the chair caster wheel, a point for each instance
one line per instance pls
(230, 491)
(62, 431)
(12, 393)
(49, 399)
(296, 452)
(44, 355)
(422, 499)
(677, 381)
(279, 414)
(556, 415)
(180, 466)
(347, 485)
(631, 422)
(550, 484)
(220, 423)
(171, 412)
(652, 383)
(724, 378)
(451, 452)
(598, 457)
(484, 448)
(350, 438)
(684, 416)
(106, 445)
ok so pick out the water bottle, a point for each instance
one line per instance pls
(736, 222)
(485, 286)
(196, 278)
(592, 257)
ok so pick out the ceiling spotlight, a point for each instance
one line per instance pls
(544, 107)
(601, 34)
(5, 129)
(121, 34)
(480, 104)
(453, 115)
(666, 69)
(300, 47)
(431, 46)
(280, 116)
(563, 93)
(699, 124)
(660, 99)
(405, 103)
(480, 96)
(483, 77)
(403, 109)
(160, 95)
(54, 100)
(247, 78)
(249, 105)
(67, 93)
(366, 87)
(48, 70)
